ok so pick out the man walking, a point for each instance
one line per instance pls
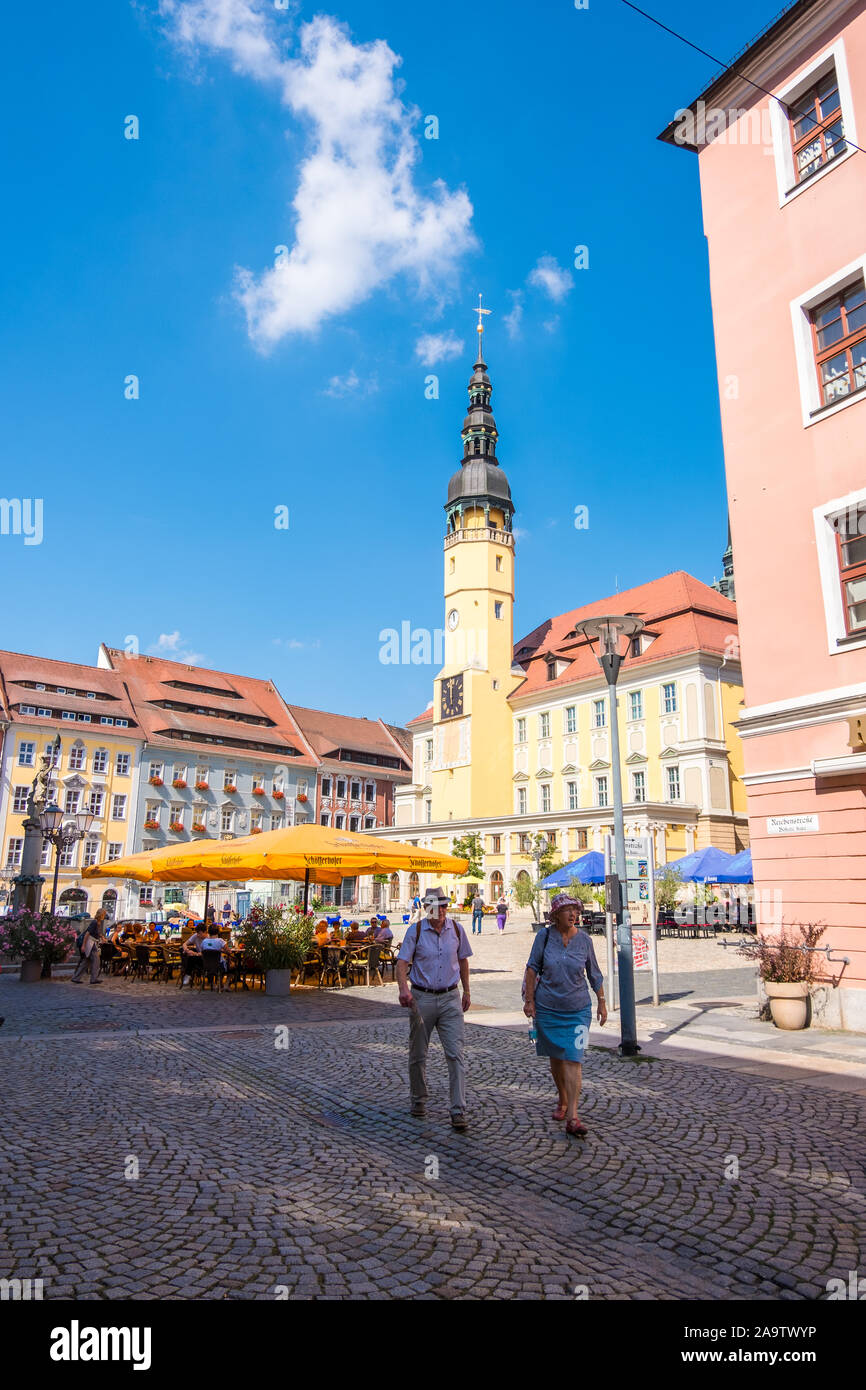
(90, 939)
(477, 913)
(433, 959)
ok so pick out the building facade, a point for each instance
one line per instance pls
(516, 743)
(221, 757)
(783, 189)
(97, 769)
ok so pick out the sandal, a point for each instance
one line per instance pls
(575, 1127)
(559, 1112)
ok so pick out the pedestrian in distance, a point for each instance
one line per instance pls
(477, 913)
(556, 996)
(433, 960)
(88, 945)
(501, 912)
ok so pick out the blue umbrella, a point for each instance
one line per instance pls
(589, 868)
(740, 869)
(701, 866)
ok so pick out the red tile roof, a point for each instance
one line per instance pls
(17, 667)
(153, 680)
(682, 613)
(327, 733)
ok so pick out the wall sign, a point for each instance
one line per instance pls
(791, 825)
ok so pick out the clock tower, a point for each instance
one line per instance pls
(472, 721)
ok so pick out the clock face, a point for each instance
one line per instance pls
(453, 619)
(451, 704)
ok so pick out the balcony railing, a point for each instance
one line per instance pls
(483, 533)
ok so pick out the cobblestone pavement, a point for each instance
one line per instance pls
(265, 1170)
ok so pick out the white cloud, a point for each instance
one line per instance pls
(359, 219)
(513, 320)
(551, 325)
(549, 276)
(292, 644)
(438, 347)
(172, 646)
(350, 385)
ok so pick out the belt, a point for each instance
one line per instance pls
(424, 990)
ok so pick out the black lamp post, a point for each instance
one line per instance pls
(610, 636)
(62, 836)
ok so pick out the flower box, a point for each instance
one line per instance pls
(278, 795)
(202, 786)
(302, 796)
(176, 826)
(230, 787)
(258, 791)
(198, 827)
(156, 781)
(256, 830)
(179, 783)
(151, 825)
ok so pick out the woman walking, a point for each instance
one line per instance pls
(501, 912)
(557, 997)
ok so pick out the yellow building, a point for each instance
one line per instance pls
(97, 770)
(516, 741)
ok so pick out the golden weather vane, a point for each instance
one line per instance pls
(480, 330)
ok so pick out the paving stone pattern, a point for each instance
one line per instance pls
(265, 1170)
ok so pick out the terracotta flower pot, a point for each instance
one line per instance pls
(789, 1004)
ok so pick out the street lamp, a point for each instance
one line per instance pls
(610, 636)
(62, 836)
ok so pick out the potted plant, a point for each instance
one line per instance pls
(278, 941)
(179, 783)
(151, 825)
(230, 788)
(302, 796)
(258, 791)
(278, 794)
(156, 781)
(788, 967)
(199, 827)
(38, 939)
(176, 826)
(201, 786)
(256, 830)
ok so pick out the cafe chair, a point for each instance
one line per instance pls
(330, 968)
(212, 969)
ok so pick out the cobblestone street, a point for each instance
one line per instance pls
(265, 1169)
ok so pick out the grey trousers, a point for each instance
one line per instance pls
(445, 1013)
(93, 961)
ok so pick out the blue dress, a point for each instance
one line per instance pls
(563, 1008)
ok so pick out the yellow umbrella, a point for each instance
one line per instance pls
(314, 853)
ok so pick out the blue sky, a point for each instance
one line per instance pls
(303, 386)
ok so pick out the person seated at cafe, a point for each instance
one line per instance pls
(384, 935)
(372, 927)
(191, 955)
(214, 942)
(354, 936)
(335, 936)
(320, 935)
(151, 935)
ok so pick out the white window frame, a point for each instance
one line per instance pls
(227, 820)
(96, 802)
(786, 176)
(828, 568)
(13, 856)
(670, 685)
(599, 714)
(100, 762)
(635, 695)
(176, 813)
(572, 793)
(521, 801)
(156, 770)
(544, 724)
(20, 797)
(497, 608)
(669, 771)
(520, 730)
(90, 854)
(26, 753)
(122, 770)
(354, 824)
(325, 819)
(114, 849)
(602, 778)
(77, 758)
(72, 801)
(545, 797)
(27, 709)
(118, 806)
(340, 821)
(810, 387)
(44, 713)
(570, 719)
(639, 776)
(68, 854)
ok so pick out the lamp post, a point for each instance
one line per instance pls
(62, 836)
(609, 636)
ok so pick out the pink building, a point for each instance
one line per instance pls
(783, 186)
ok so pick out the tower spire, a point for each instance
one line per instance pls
(480, 330)
(479, 485)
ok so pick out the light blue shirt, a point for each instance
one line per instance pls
(437, 956)
(564, 972)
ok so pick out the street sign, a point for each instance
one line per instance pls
(792, 825)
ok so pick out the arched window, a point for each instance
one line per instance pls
(496, 883)
(394, 887)
(109, 901)
(413, 886)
